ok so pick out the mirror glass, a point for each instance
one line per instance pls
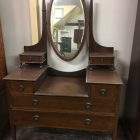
(67, 24)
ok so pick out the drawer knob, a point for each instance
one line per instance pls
(36, 117)
(88, 121)
(102, 60)
(88, 105)
(102, 91)
(30, 58)
(35, 102)
(21, 87)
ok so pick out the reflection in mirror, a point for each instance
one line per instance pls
(67, 23)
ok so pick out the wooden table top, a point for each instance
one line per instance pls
(63, 86)
(103, 76)
(27, 73)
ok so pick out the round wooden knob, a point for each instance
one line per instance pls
(36, 117)
(88, 105)
(21, 87)
(88, 121)
(102, 60)
(35, 102)
(30, 58)
(102, 91)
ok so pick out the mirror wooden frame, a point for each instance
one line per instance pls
(50, 36)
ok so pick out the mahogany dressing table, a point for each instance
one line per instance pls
(88, 99)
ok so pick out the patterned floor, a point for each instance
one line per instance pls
(35, 133)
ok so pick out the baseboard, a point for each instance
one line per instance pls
(125, 129)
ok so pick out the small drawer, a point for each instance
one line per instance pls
(32, 57)
(63, 120)
(102, 60)
(21, 87)
(62, 104)
(104, 91)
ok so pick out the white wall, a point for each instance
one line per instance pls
(14, 16)
(114, 22)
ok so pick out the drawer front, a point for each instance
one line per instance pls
(62, 103)
(104, 91)
(63, 120)
(102, 60)
(31, 58)
(21, 87)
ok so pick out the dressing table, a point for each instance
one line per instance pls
(39, 95)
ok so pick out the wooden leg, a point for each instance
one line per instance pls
(90, 68)
(114, 137)
(21, 66)
(112, 68)
(41, 66)
(13, 131)
(13, 127)
(116, 115)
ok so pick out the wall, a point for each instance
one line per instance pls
(114, 22)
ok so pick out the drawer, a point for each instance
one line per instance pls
(63, 120)
(22, 87)
(102, 60)
(62, 103)
(32, 58)
(104, 91)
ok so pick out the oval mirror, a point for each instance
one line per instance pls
(67, 27)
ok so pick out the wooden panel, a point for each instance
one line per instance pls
(86, 105)
(4, 115)
(109, 91)
(4, 126)
(63, 120)
(3, 106)
(3, 70)
(56, 73)
(111, 55)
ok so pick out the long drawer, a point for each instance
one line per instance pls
(63, 103)
(63, 120)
